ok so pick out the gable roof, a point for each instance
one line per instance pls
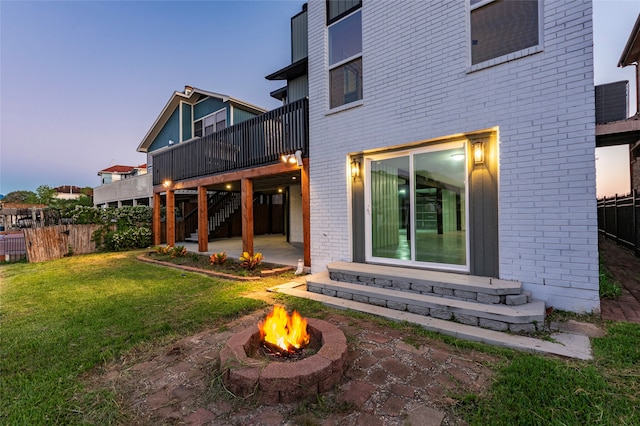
(190, 95)
(631, 52)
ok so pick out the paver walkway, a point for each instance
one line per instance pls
(394, 378)
(625, 268)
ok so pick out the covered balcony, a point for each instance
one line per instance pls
(242, 158)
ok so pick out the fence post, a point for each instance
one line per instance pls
(615, 218)
(636, 225)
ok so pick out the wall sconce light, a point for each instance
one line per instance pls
(355, 169)
(478, 152)
(166, 183)
(295, 158)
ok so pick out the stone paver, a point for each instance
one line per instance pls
(625, 268)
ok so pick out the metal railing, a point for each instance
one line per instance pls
(255, 142)
(619, 219)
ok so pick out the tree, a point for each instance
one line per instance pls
(45, 194)
(21, 197)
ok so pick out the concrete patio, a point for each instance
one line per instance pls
(274, 248)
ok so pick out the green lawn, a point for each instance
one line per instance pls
(60, 320)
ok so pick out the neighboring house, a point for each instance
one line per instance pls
(448, 136)
(123, 185)
(69, 192)
(118, 172)
(187, 116)
(614, 127)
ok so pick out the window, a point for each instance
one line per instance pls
(345, 57)
(500, 27)
(210, 124)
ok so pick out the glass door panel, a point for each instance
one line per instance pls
(390, 208)
(440, 193)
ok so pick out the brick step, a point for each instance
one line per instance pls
(521, 318)
(464, 287)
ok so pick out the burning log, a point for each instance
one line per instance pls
(284, 334)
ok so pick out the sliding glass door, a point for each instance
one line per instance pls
(416, 207)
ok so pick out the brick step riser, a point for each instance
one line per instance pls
(433, 288)
(441, 312)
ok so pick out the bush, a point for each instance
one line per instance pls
(123, 228)
(250, 261)
(127, 239)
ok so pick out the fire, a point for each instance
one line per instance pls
(286, 332)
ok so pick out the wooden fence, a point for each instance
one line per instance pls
(55, 242)
(619, 219)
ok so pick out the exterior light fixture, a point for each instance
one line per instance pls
(279, 190)
(295, 158)
(478, 152)
(355, 169)
(228, 186)
(166, 183)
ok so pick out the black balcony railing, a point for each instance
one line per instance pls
(255, 142)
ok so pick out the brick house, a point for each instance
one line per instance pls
(432, 139)
(409, 94)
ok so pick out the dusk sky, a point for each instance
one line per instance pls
(82, 82)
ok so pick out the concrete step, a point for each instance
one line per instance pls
(464, 287)
(521, 318)
(563, 344)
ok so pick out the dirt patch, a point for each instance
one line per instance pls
(391, 377)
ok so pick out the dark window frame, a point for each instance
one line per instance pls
(341, 15)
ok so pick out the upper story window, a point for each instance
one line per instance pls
(344, 19)
(500, 27)
(210, 124)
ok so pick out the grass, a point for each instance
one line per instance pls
(536, 390)
(61, 319)
(609, 287)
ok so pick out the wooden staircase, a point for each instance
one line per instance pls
(221, 207)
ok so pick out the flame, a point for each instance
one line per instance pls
(286, 332)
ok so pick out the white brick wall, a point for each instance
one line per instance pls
(416, 87)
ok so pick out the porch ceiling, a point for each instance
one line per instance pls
(264, 184)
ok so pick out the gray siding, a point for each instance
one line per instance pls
(298, 88)
(299, 36)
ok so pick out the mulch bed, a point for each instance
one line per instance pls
(230, 270)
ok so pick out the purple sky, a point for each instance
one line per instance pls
(81, 83)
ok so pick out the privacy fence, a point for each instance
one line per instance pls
(619, 219)
(55, 242)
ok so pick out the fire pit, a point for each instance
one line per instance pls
(252, 368)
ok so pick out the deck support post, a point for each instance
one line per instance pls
(157, 237)
(171, 218)
(246, 186)
(306, 212)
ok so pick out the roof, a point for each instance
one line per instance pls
(118, 169)
(191, 95)
(631, 52)
(291, 71)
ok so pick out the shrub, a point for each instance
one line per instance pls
(218, 258)
(250, 261)
(179, 251)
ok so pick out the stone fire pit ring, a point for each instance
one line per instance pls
(273, 382)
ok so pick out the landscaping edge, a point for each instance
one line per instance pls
(264, 273)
